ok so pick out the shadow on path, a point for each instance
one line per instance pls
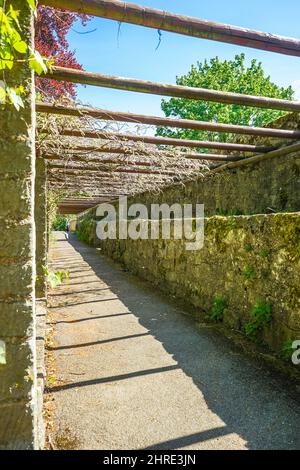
(247, 397)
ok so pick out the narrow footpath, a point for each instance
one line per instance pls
(132, 372)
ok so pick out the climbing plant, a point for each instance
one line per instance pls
(15, 50)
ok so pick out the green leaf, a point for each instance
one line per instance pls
(14, 14)
(32, 4)
(229, 76)
(6, 64)
(38, 63)
(21, 47)
(15, 99)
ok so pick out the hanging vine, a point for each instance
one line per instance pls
(14, 49)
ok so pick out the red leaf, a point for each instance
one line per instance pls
(51, 29)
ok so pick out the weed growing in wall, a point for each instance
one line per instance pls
(248, 272)
(218, 307)
(261, 314)
(56, 278)
(248, 247)
(264, 253)
(287, 350)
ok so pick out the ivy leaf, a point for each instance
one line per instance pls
(21, 47)
(37, 63)
(15, 99)
(32, 4)
(6, 63)
(14, 14)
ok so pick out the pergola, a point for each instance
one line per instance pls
(93, 155)
(93, 163)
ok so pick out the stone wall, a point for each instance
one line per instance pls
(268, 186)
(248, 263)
(17, 261)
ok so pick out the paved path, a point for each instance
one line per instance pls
(134, 373)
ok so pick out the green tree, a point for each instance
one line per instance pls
(227, 75)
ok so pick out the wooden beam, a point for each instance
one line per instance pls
(112, 162)
(78, 202)
(117, 137)
(169, 122)
(189, 26)
(101, 161)
(83, 200)
(129, 152)
(96, 168)
(295, 148)
(141, 86)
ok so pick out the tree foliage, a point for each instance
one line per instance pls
(227, 75)
(51, 30)
(15, 50)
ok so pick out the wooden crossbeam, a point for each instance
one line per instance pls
(86, 159)
(79, 204)
(120, 181)
(189, 26)
(169, 122)
(119, 137)
(130, 152)
(117, 163)
(71, 201)
(83, 200)
(283, 151)
(141, 86)
(96, 168)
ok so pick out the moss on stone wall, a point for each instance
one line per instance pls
(248, 258)
(86, 231)
(246, 261)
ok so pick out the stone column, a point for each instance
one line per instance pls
(17, 259)
(40, 226)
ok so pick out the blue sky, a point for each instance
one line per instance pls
(132, 53)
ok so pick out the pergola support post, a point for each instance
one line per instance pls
(18, 415)
(41, 226)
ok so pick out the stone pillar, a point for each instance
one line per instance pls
(17, 259)
(40, 204)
